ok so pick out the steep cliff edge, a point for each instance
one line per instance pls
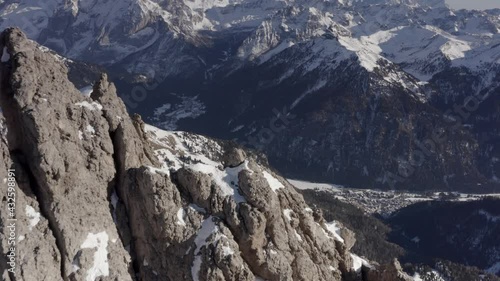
(102, 196)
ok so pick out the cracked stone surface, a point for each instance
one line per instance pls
(65, 141)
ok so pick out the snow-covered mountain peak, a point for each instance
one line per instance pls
(407, 2)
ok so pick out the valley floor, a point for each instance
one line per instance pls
(385, 203)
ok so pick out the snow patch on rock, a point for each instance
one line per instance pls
(334, 229)
(100, 267)
(181, 214)
(273, 182)
(207, 228)
(227, 251)
(226, 179)
(297, 235)
(287, 213)
(91, 106)
(358, 262)
(33, 216)
(90, 129)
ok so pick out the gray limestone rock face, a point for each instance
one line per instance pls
(233, 156)
(198, 185)
(65, 141)
(276, 233)
(348, 235)
(126, 133)
(32, 233)
(388, 272)
(160, 224)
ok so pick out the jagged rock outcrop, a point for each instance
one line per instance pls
(389, 272)
(100, 205)
(67, 150)
(31, 228)
(233, 157)
(273, 231)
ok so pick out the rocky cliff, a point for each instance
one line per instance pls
(102, 196)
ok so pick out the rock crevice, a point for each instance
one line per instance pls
(44, 211)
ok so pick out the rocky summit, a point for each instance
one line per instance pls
(101, 195)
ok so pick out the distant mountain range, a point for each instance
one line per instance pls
(392, 94)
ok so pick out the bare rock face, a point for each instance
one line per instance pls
(348, 236)
(389, 272)
(233, 156)
(32, 231)
(97, 203)
(64, 140)
(258, 225)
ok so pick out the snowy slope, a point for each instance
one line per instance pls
(422, 36)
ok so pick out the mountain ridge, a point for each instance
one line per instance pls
(406, 70)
